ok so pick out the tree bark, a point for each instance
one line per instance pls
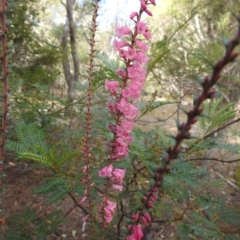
(71, 74)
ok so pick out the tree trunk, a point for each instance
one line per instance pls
(71, 74)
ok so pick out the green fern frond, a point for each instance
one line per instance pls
(14, 146)
(159, 50)
(52, 185)
(66, 157)
(35, 157)
(30, 139)
(28, 225)
(231, 215)
(156, 59)
(108, 62)
(58, 195)
(217, 115)
(148, 107)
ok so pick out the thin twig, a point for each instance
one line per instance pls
(214, 159)
(77, 204)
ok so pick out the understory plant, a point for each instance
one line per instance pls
(123, 179)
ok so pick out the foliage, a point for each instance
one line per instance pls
(29, 226)
(215, 114)
(186, 198)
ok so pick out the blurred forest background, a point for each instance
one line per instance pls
(49, 51)
(48, 45)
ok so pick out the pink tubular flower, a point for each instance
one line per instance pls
(85, 218)
(123, 53)
(135, 217)
(153, 2)
(137, 232)
(119, 44)
(106, 171)
(147, 35)
(123, 31)
(141, 58)
(143, 5)
(127, 125)
(121, 142)
(141, 45)
(144, 221)
(147, 217)
(131, 113)
(109, 210)
(83, 200)
(141, 28)
(131, 237)
(118, 175)
(126, 93)
(131, 53)
(121, 73)
(117, 187)
(133, 15)
(111, 86)
(120, 152)
(148, 12)
(112, 106)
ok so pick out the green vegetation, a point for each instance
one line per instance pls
(47, 126)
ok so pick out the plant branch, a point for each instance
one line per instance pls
(77, 204)
(214, 159)
(184, 128)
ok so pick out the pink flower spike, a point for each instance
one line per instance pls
(133, 15)
(106, 171)
(123, 31)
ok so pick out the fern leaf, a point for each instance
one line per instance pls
(35, 157)
(50, 186)
(57, 196)
(108, 62)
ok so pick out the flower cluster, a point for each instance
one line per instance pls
(125, 93)
(108, 207)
